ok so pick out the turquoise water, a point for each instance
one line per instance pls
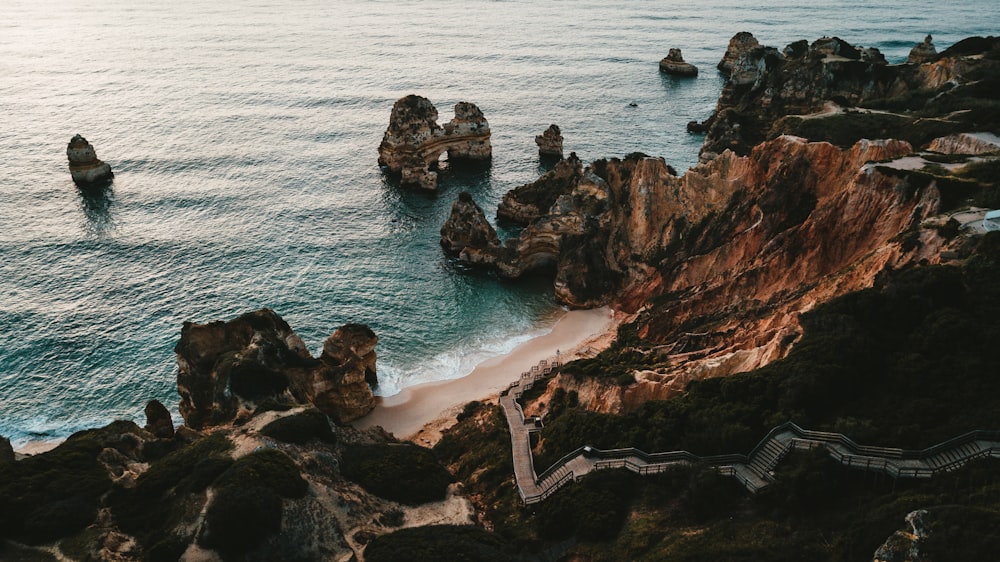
(243, 136)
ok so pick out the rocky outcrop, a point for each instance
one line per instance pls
(225, 368)
(550, 142)
(84, 166)
(468, 235)
(905, 546)
(767, 85)
(922, 52)
(526, 203)
(341, 384)
(675, 65)
(6, 451)
(597, 221)
(158, 420)
(966, 143)
(741, 43)
(414, 141)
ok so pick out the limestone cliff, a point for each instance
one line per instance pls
(741, 43)
(767, 85)
(84, 166)
(414, 141)
(227, 368)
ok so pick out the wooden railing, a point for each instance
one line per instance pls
(898, 463)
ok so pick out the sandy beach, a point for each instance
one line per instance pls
(420, 412)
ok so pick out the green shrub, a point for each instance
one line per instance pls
(267, 468)
(301, 428)
(241, 518)
(591, 510)
(246, 507)
(399, 472)
(165, 493)
(54, 494)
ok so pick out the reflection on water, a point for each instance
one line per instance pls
(97, 202)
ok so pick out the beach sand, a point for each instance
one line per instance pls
(419, 413)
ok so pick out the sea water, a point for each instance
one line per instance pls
(243, 137)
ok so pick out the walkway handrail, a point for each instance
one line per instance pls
(753, 470)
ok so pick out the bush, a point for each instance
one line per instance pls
(399, 472)
(239, 519)
(246, 508)
(301, 428)
(266, 468)
(52, 495)
(592, 510)
(163, 494)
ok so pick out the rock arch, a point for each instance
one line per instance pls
(414, 141)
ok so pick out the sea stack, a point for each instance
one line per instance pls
(414, 141)
(741, 43)
(674, 64)
(922, 52)
(550, 143)
(84, 166)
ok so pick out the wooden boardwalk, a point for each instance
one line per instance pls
(754, 470)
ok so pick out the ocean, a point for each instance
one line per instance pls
(243, 137)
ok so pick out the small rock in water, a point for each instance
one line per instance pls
(84, 166)
(674, 64)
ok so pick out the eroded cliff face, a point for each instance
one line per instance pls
(766, 85)
(225, 369)
(718, 264)
(414, 141)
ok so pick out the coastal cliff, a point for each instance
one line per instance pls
(717, 265)
(226, 369)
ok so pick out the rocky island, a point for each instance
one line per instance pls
(84, 166)
(819, 265)
(414, 141)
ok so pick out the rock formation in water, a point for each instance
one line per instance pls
(468, 235)
(226, 369)
(550, 142)
(84, 166)
(158, 420)
(524, 204)
(741, 43)
(922, 52)
(674, 64)
(414, 141)
(772, 92)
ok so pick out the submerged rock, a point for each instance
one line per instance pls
(414, 141)
(674, 64)
(225, 368)
(550, 143)
(84, 166)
